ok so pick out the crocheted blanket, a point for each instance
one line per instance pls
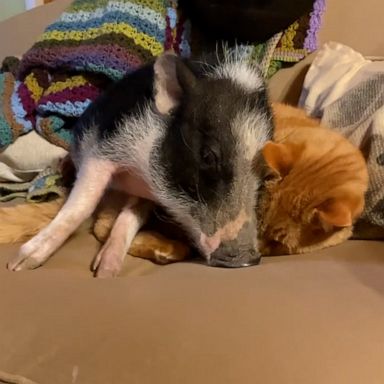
(95, 42)
(346, 91)
(90, 45)
(291, 45)
(46, 184)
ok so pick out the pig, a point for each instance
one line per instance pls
(177, 133)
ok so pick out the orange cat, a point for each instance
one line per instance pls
(315, 191)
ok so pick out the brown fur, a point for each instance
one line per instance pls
(316, 189)
(23, 221)
(314, 194)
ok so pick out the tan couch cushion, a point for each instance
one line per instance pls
(301, 319)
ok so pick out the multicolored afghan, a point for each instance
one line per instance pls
(290, 45)
(95, 42)
(47, 184)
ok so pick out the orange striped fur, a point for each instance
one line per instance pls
(316, 189)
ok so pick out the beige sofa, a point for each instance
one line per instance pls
(309, 319)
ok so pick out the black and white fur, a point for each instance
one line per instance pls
(182, 135)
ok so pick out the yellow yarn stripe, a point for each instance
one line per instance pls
(139, 38)
(289, 35)
(72, 82)
(33, 87)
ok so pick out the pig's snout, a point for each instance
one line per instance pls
(229, 258)
(233, 245)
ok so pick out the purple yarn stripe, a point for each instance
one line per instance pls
(27, 102)
(310, 42)
(81, 93)
(105, 56)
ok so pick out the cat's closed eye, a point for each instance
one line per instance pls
(269, 177)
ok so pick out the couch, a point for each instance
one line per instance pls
(315, 318)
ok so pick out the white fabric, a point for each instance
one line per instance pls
(335, 70)
(27, 156)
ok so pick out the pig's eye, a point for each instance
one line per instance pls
(208, 158)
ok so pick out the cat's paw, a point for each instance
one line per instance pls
(174, 253)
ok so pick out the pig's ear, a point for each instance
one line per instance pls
(172, 79)
(278, 157)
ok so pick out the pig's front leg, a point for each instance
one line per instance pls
(110, 259)
(92, 180)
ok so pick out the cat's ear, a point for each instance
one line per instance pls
(336, 213)
(279, 157)
(172, 79)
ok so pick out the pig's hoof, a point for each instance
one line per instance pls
(105, 270)
(108, 262)
(106, 273)
(30, 256)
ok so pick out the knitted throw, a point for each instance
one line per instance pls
(95, 42)
(290, 45)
